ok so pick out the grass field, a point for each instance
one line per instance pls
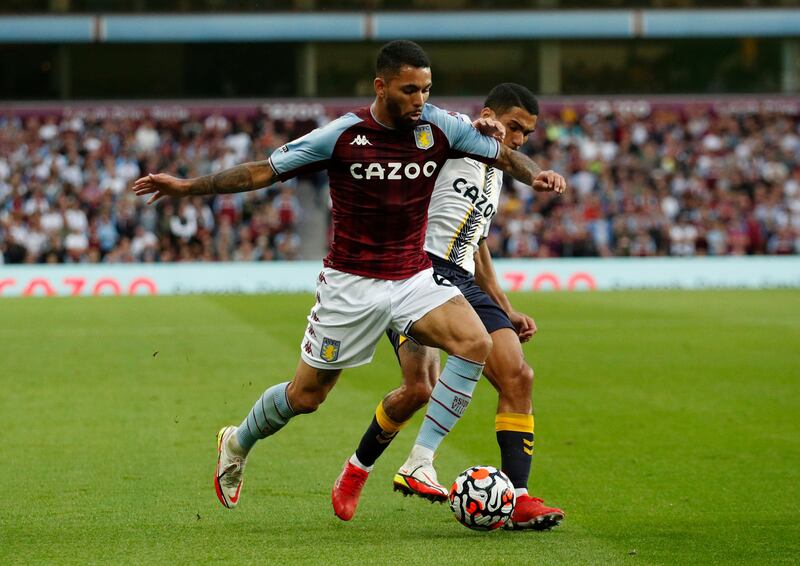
(668, 428)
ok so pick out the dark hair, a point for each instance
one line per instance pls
(397, 53)
(508, 95)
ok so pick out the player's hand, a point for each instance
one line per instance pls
(491, 128)
(525, 325)
(160, 185)
(549, 181)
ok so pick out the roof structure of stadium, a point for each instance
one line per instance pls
(572, 47)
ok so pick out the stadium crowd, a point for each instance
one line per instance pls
(679, 182)
(64, 192)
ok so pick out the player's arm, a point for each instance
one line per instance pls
(468, 141)
(305, 154)
(526, 170)
(241, 178)
(486, 279)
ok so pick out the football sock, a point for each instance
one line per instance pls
(515, 438)
(270, 414)
(380, 433)
(449, 400)
(359, 464)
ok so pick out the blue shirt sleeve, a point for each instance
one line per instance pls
(463, 138)
(312, 151)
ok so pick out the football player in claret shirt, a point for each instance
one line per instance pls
(462, 206)
(382, 162)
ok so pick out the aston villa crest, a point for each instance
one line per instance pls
(423, 135)
(330, 349)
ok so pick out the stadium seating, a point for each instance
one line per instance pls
(679, 182)
(64, 192)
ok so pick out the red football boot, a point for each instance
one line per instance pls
(347, 490)
(531, 513)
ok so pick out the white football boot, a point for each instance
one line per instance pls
(228, 476)
(418, 477)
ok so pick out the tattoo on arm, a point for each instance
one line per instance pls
(412, 346)
(518, 165)
(245, 177)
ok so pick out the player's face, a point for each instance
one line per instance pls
(519, 125)
(404, 94)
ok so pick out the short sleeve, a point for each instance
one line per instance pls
(312, 151)
(486, 230)
(464, 139)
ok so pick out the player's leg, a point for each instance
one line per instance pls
(512, 377)
(420, 368)
(455, 328)
(303, 394)
(270, 413)
(343, 328)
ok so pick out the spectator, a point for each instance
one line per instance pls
(106, 232)
(683, 237)
(677, 182)
(144, 244)
(76, 245)
(183, 225)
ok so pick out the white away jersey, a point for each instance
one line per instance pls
(461, 210)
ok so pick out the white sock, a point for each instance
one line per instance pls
(357, 463)
(234, 447)
(420, 453)
(520, 491)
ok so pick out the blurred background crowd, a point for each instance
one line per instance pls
(65, 192)
(678, 182)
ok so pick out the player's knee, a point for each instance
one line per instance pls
(420, 392)
(475, 345)
(307, 402)
(517, 384)
(525, 378)
(418, 383)
(478, 346)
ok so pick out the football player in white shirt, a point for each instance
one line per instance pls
(462, 206)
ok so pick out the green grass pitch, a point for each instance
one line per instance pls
(667, 427)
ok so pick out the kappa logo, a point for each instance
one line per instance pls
(360, 140)
(423, 136)
(330, 350)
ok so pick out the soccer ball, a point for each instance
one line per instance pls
(482, 498)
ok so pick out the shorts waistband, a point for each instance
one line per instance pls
(449, 265)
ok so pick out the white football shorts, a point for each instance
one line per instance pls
(352, 313)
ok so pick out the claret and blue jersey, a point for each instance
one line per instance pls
(381, 183)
